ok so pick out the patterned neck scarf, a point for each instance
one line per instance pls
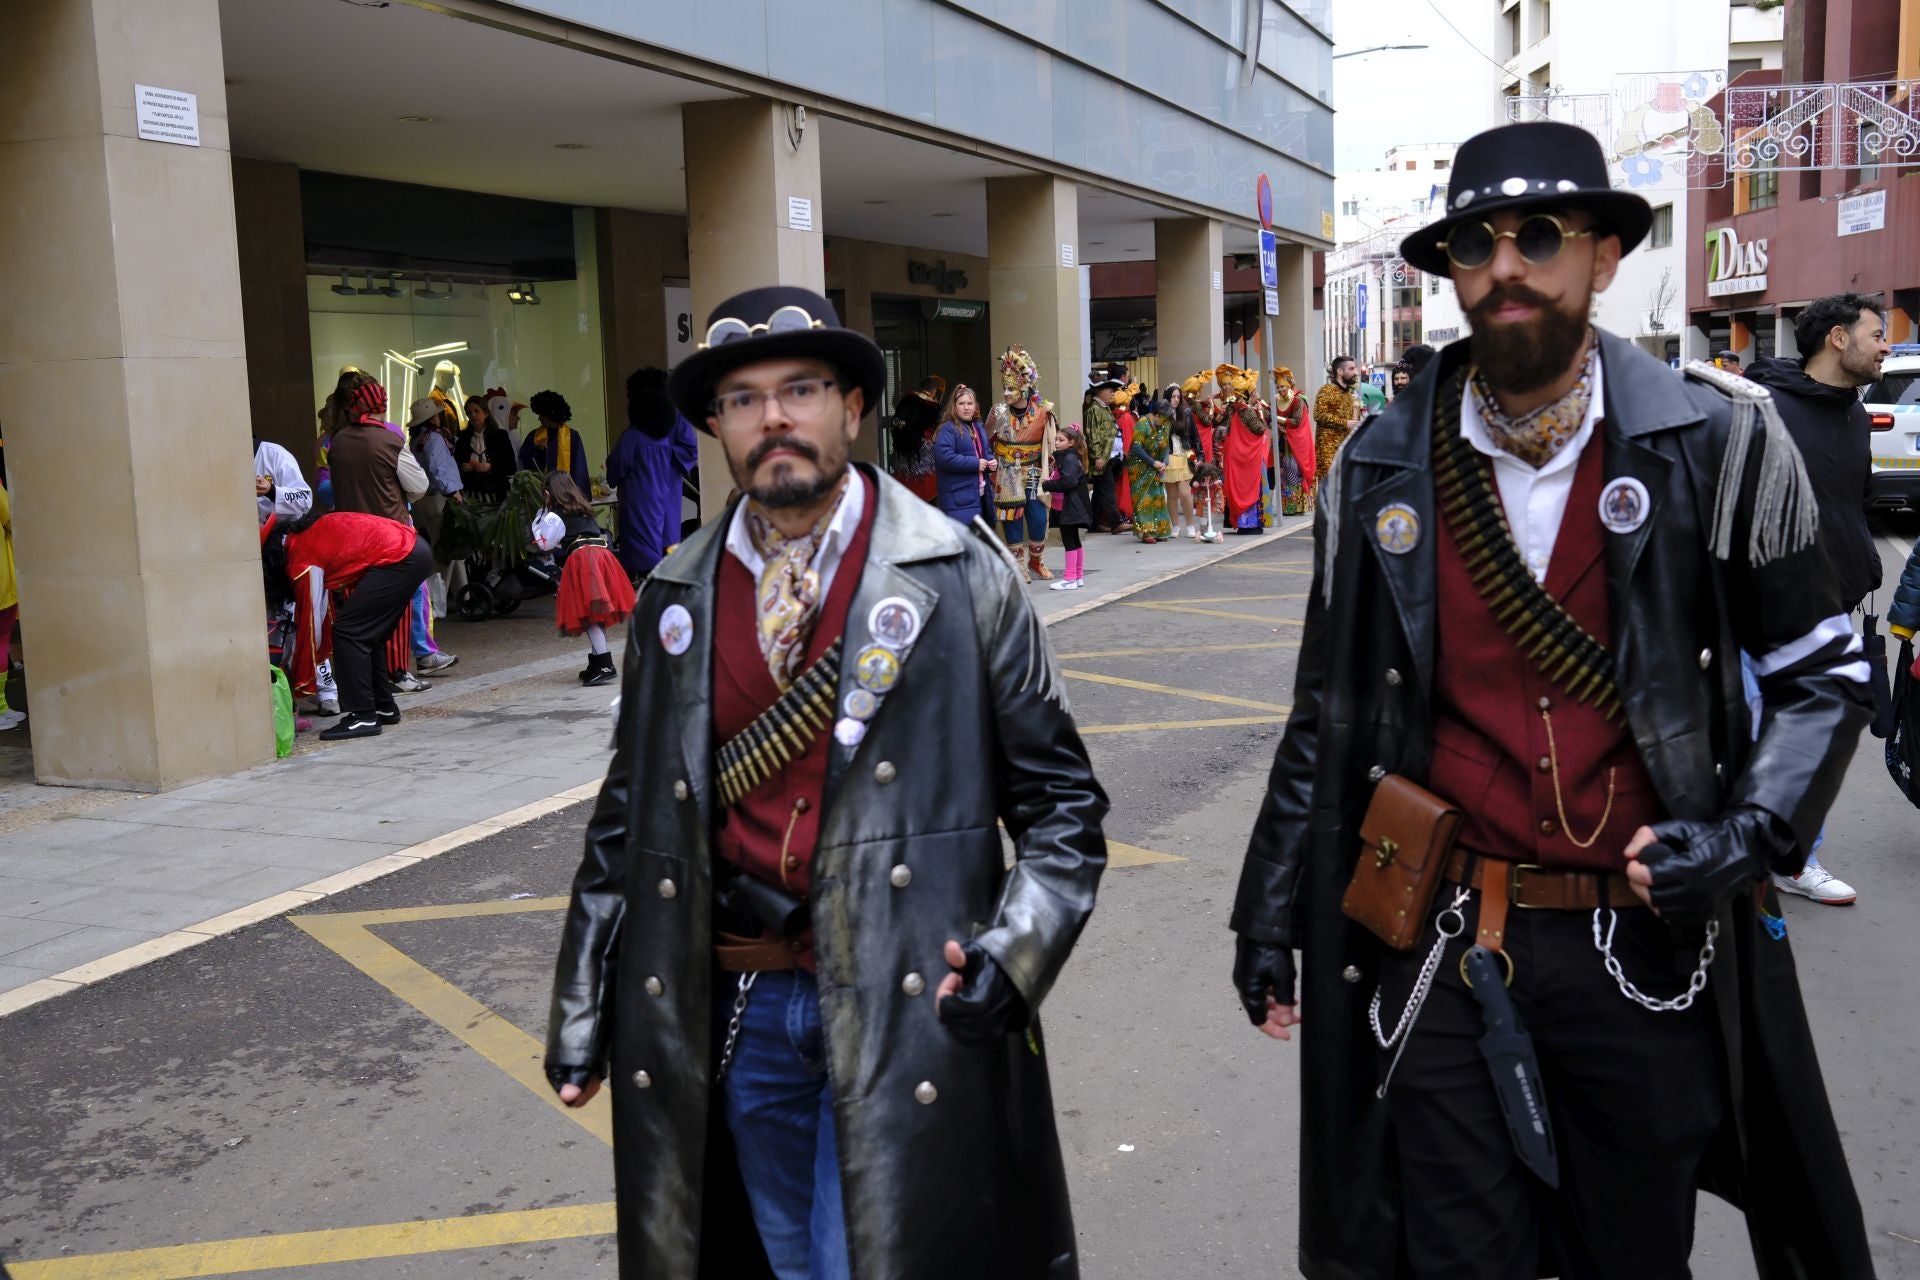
(1536, 437)
(788, 593)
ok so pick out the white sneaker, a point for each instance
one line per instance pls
(437, 661)
(407, 682)
(12, 719)
(1819, 884)
(1193, 531)
(1065, 584)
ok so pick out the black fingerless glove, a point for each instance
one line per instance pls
(1260, 968)
(987, 1005)
(1697, 866)
(559, 1073)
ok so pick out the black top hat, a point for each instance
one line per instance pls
(1107, 375)
(1539, 164)
(777, 323)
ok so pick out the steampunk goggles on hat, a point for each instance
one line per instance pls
(788, 319)
(1540, 237)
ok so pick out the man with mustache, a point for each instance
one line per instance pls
(1519, 749)
(795, 953)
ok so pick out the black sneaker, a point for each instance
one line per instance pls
(354, 724)
(601, 672)
(387, 715)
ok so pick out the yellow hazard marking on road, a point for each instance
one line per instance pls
(1263, 568)
(1199, 695)
(1159, 650)
(1215, 613)
(1155, 726)
(1131, 855)
(350, 935)
(1298, 595)
(341, 1244)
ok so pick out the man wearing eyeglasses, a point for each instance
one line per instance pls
(1517, 827)
(794, 952)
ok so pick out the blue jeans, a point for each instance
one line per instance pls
(421, 633)
(1033, 515)
(1750, 685)
(779, 1108)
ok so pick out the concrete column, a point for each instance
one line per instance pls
(1296, 340)
(1034, 300)
(1189, 316)
(273, 296)
(745, 161)
(123, 387)
(638, 253)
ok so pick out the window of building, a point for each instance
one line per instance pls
(1509, 33)
(1351, 208)
(1542, 80)
(1443, 164)
(1542, 20)
(1737, 67)
(1763, 189)
(1662, 234)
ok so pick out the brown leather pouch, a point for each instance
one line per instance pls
(1404, 839)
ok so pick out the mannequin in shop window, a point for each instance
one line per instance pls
(553, 445)
(484, 451)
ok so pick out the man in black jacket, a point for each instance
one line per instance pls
(1843, 339)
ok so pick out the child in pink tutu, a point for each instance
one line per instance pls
(595, 592)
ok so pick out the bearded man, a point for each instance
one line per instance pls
(1518, 826)
(794, 949)
(1336, 411)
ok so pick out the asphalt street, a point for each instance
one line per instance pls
(353, 1093)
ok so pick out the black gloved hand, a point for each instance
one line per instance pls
(1696, 866)
(1260, 968)
(560, 1073)
(987, 1005)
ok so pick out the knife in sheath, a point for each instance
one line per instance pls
(1508, 1050)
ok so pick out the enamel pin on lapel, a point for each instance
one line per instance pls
(1397, 528)
(877, 669)
(894, 622)
(676, 629)
(848, 732)
(1624, 505)
(861, 705)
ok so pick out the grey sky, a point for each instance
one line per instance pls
(1439, 94)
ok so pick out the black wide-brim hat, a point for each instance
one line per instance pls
(1540, 164)
(854, 354)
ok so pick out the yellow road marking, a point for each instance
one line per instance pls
(1197, 694)
(481, 1029)
(1262, 568)
(1157, 725)
(1148, 651)
(1214, 613)
(1300, 595)
(342, 1244)
(1129, 855)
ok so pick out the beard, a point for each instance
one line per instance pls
(787, 490)
(1858, 363)
(1529, 355)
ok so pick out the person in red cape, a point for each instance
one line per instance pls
(1124, 421)
(1248, 452)
(1297, 460)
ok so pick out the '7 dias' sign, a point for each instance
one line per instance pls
(1734, 267)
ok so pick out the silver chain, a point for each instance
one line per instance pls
(733, 1026)
(1695, 985)
(1445, 932)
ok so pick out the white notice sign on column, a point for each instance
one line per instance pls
(799, 213)
(167, 115)
(1066, 255)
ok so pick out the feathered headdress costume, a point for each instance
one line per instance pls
(1019, 375)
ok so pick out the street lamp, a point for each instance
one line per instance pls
(1378, 48)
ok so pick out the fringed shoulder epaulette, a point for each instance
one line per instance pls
(985, 532)
(1786, 514)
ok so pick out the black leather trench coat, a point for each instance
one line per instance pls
(1680, 621)
(975, 733)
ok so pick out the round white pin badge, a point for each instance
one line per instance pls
(676, 629)
(1624, 505)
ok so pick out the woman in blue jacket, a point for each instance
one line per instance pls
(962, 457)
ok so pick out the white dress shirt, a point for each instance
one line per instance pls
(833, 543)
(1535, 499)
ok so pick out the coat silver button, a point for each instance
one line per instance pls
(1351, 973)
(901, 876)
(680, 789)
(668, 888)
(924, 1093)
(655, 986)
(1706, 659)
(1719, 772)
(913, 984)
(1393, 678)
(884, 772)
(641, 1080)
(1376, 773)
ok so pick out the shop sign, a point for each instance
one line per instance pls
(679, 322)
(167, 115)
(1863, 213)
(953, 309)
(936, 275)
(1451, 334)
(1735, 267)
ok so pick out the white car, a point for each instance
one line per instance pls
(1893, 410)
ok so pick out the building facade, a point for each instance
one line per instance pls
(217, 203)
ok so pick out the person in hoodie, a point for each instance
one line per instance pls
(653, 455)
(1844, 339)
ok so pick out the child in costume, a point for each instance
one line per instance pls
(1069, 480)
(595, 592)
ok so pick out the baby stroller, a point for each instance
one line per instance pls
(503, 567)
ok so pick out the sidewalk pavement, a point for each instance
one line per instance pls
(85, 896)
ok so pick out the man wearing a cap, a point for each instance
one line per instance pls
(1103, 430)
(794, 951)
(1535, 575)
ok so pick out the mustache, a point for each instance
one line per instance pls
(793, 444)
(1500, 295)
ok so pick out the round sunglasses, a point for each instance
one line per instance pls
(1539, 238)
(788, 319)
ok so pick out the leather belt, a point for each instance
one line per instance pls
(1544, 888)
(735, 954)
